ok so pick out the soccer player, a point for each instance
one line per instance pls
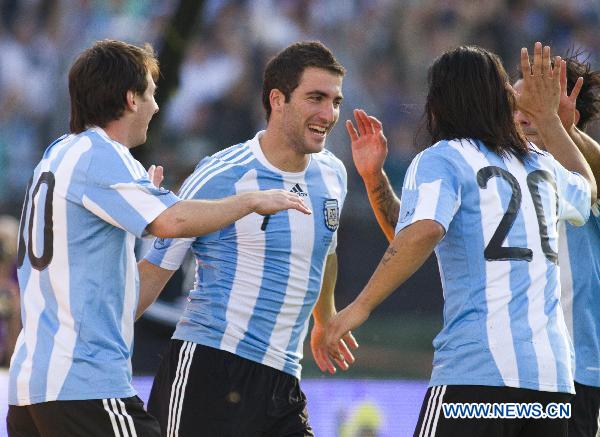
(488, 203)
(233, 364)
(579, 247)
(86, 202)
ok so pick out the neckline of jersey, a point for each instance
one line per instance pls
(254, 145)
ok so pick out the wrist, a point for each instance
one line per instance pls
(322, 317)
(374, 178)
(249, 201)
(547, 118)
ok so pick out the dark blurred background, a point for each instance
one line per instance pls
(213, 53)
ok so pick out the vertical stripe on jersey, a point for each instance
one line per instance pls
(566, 275)
(130, 297)
(243, 294)
(275, 277)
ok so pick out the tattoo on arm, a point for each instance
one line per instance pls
(387, 203)
(389, 254)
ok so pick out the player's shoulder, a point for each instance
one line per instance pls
(218, 172)
(109, 159)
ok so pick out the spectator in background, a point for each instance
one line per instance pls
(10, 318)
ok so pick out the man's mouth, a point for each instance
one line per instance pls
(318, 130)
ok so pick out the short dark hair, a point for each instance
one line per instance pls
(284, 70)
(100, 78)
(469, 98)
(588, 101)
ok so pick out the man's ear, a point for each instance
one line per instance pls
(577, 117)
(131, 100)
(277, 100)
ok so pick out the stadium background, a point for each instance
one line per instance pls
(211, 99)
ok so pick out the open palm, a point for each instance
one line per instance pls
(369, 145)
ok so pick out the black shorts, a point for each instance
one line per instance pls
(584, 414)
(124, 417)
(204, 391)
(433, 422)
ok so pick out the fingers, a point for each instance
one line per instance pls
(360, 122)
(563, 78)
(377, 125)
(366, 122)
(158, 175)
(546, 62)
(299, 205)
(350, 340)
(323, 361)
(576, 88)
(559, 64)
(351, 131)
(537, 59)
(155, 174)
(525, 65)
(346, 354)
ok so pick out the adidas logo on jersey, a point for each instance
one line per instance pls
(299, 191)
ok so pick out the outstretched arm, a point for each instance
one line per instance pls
(408, 251)
(191, 218)
(369, 150)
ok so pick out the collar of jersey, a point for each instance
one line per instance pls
(254, 145)
(104, 135)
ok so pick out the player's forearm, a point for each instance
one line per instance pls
(325, 306)
(152, 281)
(561, 146)
(192, 218)
(589, 148)
(405, 255)
(384, 202)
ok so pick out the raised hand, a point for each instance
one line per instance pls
(156, 175)
(568, 103)
(272, 201)
(541, 92)
(369, 145)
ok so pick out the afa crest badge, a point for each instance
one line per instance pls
(331, 211)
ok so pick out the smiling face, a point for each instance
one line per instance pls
(524, 123)
(312, 110)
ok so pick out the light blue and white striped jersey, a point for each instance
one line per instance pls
(257, 280)
(579, 257)
(503, 323)
(88, 200)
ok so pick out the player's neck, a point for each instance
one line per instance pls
(281, 154)
(119, 132)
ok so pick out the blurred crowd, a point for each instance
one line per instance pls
(386, 46)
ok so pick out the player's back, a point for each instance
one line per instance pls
(77, 271)
(498, 263)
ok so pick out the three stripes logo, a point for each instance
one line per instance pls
(299, 191)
